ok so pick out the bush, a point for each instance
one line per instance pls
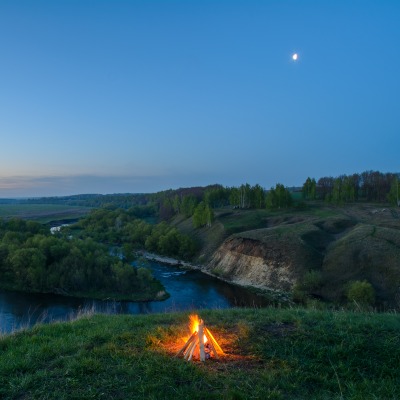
(299, 295)
(311, 281)
(361, 292)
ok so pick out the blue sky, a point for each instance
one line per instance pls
(141, 96)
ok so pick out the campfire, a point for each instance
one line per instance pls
(201, 343)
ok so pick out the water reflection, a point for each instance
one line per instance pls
(188, 289)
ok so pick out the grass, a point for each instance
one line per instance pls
(270, 354)
(243, 220)
(43, 213)
(237, 221)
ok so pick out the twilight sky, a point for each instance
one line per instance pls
(141, 96)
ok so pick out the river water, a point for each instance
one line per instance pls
(189, 289)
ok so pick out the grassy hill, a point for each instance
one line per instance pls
(340, 244)
(270, 354)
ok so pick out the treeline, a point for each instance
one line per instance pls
(31, 259)
(200, 206)
(121, 228)
(369, 186)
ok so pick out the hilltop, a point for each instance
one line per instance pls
(270, 354)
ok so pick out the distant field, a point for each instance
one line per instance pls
(42, 213)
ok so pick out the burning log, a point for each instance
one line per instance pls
(201, 342)
(187, 344)
(213, 342)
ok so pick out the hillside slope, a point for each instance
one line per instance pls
(278, 249)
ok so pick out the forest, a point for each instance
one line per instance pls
(369, 186)
(33, 260)
(123, 229)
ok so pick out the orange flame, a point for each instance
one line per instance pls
(194, 322)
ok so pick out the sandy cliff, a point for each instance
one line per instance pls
(264, 259)
(338, 249)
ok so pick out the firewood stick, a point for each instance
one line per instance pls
(215, 343)
(201, 341)
(182, 350)
(192, 350)
(189, 349)
(212, 347)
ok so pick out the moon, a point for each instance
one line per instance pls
(295, 56)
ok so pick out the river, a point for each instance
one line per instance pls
(189, 289)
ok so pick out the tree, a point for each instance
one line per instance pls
(166, 209)
(324, 187)
(168, 244)
(203, 215)
(127, 251)
(29, 267)
(258, 196)
(348, 189)
(309, 189)
(234, 196)
(216, 196)
(271, 200)
(375, 185)
(337, 191)
(176, 204)
(209, 215)
(188, 205)
(394, 194)
(244, 193)
(279, 197)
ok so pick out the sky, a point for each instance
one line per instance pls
(140, 96)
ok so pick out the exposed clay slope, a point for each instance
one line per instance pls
(339, 248)
(270, 258)
(277, 249)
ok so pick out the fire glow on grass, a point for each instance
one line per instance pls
(201, 343)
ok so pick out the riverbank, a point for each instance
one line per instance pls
(159, 295)
(273, 295)
(168, 260)
(269, 354)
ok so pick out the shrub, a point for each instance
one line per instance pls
(311, 281)
(299, 295)
(361, 292)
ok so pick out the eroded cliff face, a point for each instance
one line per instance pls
(339, 250)
(252, 262)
